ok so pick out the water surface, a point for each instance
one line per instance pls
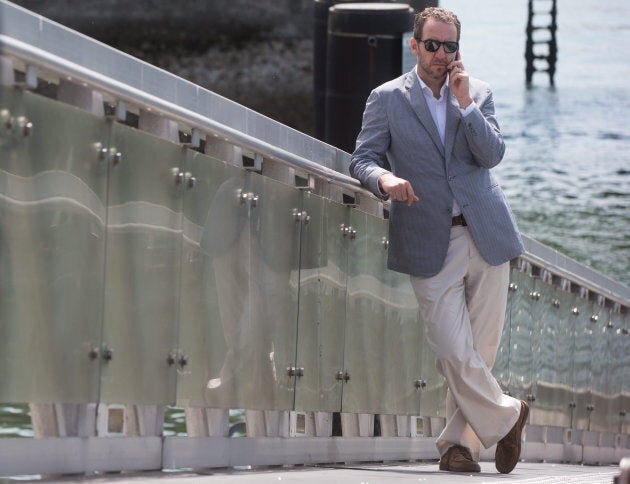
(567, 167)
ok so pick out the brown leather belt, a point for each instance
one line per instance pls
(459, 220)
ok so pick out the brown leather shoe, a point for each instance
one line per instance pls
(509, 447)
(458, 459)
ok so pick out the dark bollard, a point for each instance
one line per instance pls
(320, 33)
(320, 29)
(364, 50)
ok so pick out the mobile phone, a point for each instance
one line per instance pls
(454, 59)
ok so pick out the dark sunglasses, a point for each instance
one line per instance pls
(433, 45)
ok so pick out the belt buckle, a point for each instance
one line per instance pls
(459, 220)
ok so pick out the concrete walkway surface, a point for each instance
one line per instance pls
(525, 472)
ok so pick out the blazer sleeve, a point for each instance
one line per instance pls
(483, 134)
(369, 160)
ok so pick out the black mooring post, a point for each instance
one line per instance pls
(552, 47)
(320, 47)
(529, 44)
(364, 51)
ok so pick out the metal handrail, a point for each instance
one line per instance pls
(30, 54)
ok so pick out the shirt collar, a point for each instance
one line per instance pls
(425, 87)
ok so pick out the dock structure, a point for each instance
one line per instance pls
(541, 34)
(163, 246)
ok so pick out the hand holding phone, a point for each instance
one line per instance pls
(456, 58)
(458, 78)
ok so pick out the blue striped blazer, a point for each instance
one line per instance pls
(399, 135)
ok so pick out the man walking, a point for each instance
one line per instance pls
(428, 141)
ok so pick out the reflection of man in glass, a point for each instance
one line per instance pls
(428, 142)
(254, 294)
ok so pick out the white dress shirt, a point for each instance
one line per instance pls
(437, 107)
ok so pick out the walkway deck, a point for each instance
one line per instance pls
(530, 473)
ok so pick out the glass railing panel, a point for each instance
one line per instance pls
(213, 325)
(501, 367)
(551, 377)
(521, 327)
(322, 306)
(625, 392)
(382, 333)
(433, 396)
(407, 383)
(52, 232)
(272, 296)
(619, 363)
(565, 349)
(602, 398)
(142, 269)
(582, 357)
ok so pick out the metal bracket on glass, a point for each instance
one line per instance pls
(534, 295)
(594, 318)
(513, 287)
(250, 198)
(25, 127)
(575, 311)
(178, 176)
(420, 384)
(190, 180)
(531, 397)
(555, 303)
(9, 123)
(105, 155)
(6, 119)
(107, 353)
(183, 360)
(171, 358)
(342, 376)
(94, 353)
(302, 216)
(116, 157)
(385, 243)
(295, 371)
(348, 232)
(590, 407)
(101, 152)
(572, 405)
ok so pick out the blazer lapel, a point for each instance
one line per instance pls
(413, 93)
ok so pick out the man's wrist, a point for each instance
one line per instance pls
(466, 110)
(379, 185)
(464, 103)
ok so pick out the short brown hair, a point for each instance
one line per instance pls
(438, 13)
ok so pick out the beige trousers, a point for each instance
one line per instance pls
(463, 307)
